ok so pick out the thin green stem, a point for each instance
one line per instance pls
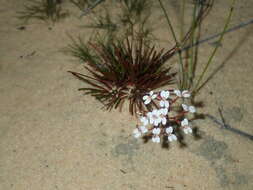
(169, 22)
(196, 89)
(181, 78)
(182, 19)
(193, 49)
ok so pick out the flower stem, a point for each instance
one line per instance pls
(181, 78)
(196, 88)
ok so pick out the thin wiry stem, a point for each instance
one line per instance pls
(181, 78)
(193, 51)
(196, 88)
(182, 19)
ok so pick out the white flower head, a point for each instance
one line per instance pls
(184, 122)
(163, 111)
(178, 93)
(190, 109)
(185, 125)
(144, 120)
(156, 139)
(169, 130)
(154, 117)
(171, 137)
(136, 133)
(156, 131)
(163, 114)
(184, 93)
(187, 130)
(164, 95)
(148, 98)
(143, 129)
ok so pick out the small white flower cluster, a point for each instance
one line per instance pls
(162, 124)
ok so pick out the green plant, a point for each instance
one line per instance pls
(188, 66)
(131, 20)
(124, 70)
(43, 10)
(198, 84)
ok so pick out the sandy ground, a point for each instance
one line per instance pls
(54, 138)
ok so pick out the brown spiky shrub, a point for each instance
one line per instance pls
(123, 70)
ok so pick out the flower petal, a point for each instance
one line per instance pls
(155, 112)
(147, 101)
(164, 111)
(144, 120)
(156, 122)
(151, 120)
(185, 130)
(178, 93)
(169, 130)
(174, 137)
(156, 131)
(164, 120)
(166, 104)
(162, 93)
(145, 97)
(156, 139)
(165, 94)
(186, 94)
(192, 109)
(189, 130)
(170, 138)
(154, 96)
(184, 122)
(161, 103)
(143, 129)
(185, 107)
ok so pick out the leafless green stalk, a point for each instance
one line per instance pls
(197, 87)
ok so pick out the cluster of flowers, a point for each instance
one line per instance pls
(160, 119)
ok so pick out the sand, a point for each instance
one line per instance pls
(52, 137)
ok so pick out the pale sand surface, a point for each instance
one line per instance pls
(54, 138)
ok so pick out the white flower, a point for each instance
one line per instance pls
(156, 139)
(143, 129)
(191, 109)
(154, 117)
(164, 95)
(156, 131)
(144, 120)
(136, 133)
(184, 122)
(163, 111)
(184, 93)
(185, 125)
(178, 93)
(148, 98)
(163, 114)
(187, 130)
(171, 137)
